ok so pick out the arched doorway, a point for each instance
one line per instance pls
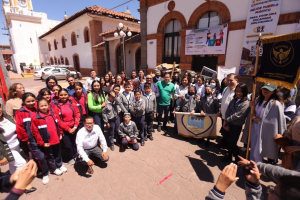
(138, 59)
(76, 62)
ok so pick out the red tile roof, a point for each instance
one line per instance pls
(133, 30)
(133, 39)
(96, 10)
(6, 52)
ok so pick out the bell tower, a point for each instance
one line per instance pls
(18, 6)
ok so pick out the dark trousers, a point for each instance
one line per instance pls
(69, 144)
(224, 133)
(98, 119)
(161, 110)
(140, 123)
(172, 107)
(149, 118)
(125, 143)
(232, 139)
(54, 156)
(40, 159)
(96, 152)
(114, 129)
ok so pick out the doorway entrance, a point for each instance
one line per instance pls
(76, 62)
(138, 59)
(199, 61)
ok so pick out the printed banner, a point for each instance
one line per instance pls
(210, 40)
(262, 18)
(281, 61)
(195, 126)
(224, 71)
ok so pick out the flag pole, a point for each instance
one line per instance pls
(253, 93)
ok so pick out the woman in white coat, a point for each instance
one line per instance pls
(268, 121)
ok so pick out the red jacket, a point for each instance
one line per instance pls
(81, 104)
(40, 130)
(75, 119)
(23, 119)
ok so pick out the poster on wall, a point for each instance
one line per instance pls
(206, 41)
(195, 126)
(223, 71)
(263, 16)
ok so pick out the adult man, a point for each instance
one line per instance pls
(157, 77)
(87, 143)
(89, 81)
(71, 89)
(153, 86)
(166, 90)
(227, 96)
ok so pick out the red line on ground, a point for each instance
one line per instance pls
(166, 178)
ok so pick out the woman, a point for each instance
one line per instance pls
(50, 82)
(108, 82)
(133, 75)
(45, 94)
(14, 97)
(215, 85)
(268, 121)
(288, 103)
(8, 130)
(102, 82)
(96, 101)
(123, 75)
(119, 82)
(69, 114)
(80, 100)
(235, 117)
(223, 85)
(200, 87)
(113, 80)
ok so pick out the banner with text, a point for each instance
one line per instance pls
(262, 18)
(196, 126)
(210, 40)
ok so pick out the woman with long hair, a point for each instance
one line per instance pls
(14, 97)
(235, 117)
(113, 80)
(223, 85)
(133, 75)
(55, 90)
(108, 82)
(268, 121)
(123, 75)
(96, 101)
(69, 114)
(102, 81)
(215, 85)
(200, 87)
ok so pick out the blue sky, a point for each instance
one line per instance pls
(56, 9)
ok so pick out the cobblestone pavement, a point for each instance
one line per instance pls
(135, 175)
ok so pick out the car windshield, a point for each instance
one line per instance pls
(47, 69)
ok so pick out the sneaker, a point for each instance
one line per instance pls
(63, 169)
(159, 129)
(112, 147)
(45, 179)
(71, 162)
(146, 138)
(151, 137)
(57, 172)
(142, 142)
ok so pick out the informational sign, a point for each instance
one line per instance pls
(224, 71)
(205, 41)
(196, 126)
(280, 61)
(262, 18)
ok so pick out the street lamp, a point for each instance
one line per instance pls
(123, 31)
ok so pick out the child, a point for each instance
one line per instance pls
(55, 90)
(190, 102)
(235, 117)
(27, 141)
(127, 96)
(69, 114)
(46, 131)
(80, 100)
(150, 109)
(111, 118)
(128, 133)
(118, 99)
(137, 109)
(209, 104)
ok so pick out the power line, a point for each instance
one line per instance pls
(121, 4)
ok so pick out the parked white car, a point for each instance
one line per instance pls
(59, 73)
(38, 73)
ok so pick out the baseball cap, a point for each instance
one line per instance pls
(269, 87)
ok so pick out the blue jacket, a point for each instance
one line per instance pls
(71, 91)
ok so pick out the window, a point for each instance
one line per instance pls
(73, 39)
(209, 19)
(66, 61)
(49, 46)
(55, 45)
(56, 71)
(55, 60)
(63, 42)
(58, 61)
(172, 42)
(31, 40)
(62, 60)
(86, 34)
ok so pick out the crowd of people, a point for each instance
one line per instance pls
(74, 119)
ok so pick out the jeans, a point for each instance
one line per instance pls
(54, 156)
(161, 110)
(135, 146)
(149, 118)
(140, 123)
(114, 129)
(98, 119)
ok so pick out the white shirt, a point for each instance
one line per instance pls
(180, 91)
(127, 95)
(226, 98)
(200, 90)
(88, 83)
(9, 133)
(88, 140)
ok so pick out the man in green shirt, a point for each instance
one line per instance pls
(166, 89)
